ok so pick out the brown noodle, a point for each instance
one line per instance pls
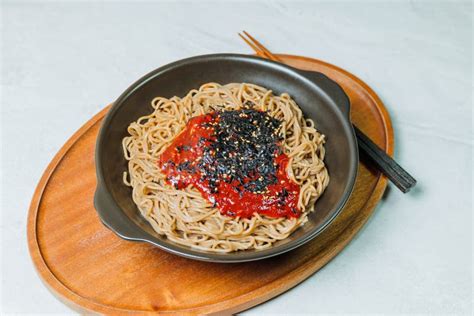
(184, 216)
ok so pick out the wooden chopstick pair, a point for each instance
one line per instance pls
(261, 50)
(399, 176)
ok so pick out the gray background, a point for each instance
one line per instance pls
(63, 62)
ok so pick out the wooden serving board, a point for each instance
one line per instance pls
(92, 270)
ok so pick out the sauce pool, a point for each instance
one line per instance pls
(235, 161)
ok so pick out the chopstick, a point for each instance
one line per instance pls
(389, 167)
(402, 179)
(263, 49)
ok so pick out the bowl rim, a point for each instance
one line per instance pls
(122, 226)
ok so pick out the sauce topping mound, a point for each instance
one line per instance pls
(234, 158)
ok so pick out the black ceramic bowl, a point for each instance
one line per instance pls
(320, 98)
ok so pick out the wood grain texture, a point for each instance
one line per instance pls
(92, 270)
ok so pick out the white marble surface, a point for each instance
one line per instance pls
(62, 62)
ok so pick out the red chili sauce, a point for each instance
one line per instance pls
(235, 160)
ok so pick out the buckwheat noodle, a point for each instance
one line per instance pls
(184, 216)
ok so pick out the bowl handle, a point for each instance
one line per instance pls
(118, 222)
(331, 88)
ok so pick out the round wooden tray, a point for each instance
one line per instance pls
(92, 270)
